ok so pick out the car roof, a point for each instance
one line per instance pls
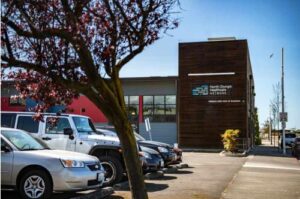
(8, 129)
(32, 113)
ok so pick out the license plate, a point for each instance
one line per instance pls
(99, 177)
(162, 164)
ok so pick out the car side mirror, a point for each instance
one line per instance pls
(69, 132)
(5, 149)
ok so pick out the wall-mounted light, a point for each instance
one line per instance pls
(210, 74)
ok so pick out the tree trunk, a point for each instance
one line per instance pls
(132, 161)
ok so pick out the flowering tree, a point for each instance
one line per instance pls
(66, 47)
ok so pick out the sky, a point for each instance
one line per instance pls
(268, 25)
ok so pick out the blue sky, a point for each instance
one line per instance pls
(268, 25)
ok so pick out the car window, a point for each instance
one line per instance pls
(84, 125)
(4, 144)
(27, 123)
(22, 140)
(8, 119)
(58, 126)
(138, 137)
(290, 135)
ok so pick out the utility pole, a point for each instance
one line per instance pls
(282, 95)
(270, 124)
(270, 129)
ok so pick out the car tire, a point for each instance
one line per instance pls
(35, 184)
(113, 169)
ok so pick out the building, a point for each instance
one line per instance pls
(213, 92)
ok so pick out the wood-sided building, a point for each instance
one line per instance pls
(215, 93)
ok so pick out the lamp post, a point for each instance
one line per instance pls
(282, 95)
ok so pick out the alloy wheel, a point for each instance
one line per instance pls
(34, 186)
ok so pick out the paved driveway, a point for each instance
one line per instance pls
(267, 174)
(206, 178)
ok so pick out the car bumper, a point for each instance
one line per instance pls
(75, 179)
(169, 158)
(178, 153)
(154, 164)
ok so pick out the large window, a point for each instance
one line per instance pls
(16, 101)
(160, 108)
(132, 105)
(27, 123)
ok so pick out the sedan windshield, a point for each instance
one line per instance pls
(138, 137)
(84, 125)
(22, 140)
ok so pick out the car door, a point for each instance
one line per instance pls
(53, 134)
(6, 164)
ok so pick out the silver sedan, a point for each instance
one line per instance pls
(30, 167)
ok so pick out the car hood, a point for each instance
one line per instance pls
(61, 154)
(104, 138)
(154, 143)
(101, 139)
(149, 150)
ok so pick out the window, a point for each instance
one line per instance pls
(58, 126)
(132, 105)
(16, 101)
(22, 140)
(8, 119)
(27, 123)
(160, 108)
(84, 125)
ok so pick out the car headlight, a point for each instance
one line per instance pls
(162, 149)
(67, 163)
(146, 155)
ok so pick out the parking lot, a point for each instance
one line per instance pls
(206, 178)
(210, 176)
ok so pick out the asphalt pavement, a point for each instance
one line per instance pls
(264, 174)
(267, 173)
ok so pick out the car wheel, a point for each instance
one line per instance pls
(35, 184)
(113, 170)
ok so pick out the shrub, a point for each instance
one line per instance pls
(229, 139)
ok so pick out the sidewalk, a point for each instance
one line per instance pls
(266, 174)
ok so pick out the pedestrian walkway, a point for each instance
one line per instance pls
(267, 173)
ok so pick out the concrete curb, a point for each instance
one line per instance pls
(171, 169)
(121, 186)
(182, 166)
(154, 175)
(229, 154)
(96, 194)
(202, 150)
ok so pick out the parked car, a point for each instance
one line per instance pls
(171, 155)
(296, 148)
(30, 167)
(151, 159)
(73, 133)
(289, 139)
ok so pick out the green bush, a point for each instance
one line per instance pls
(257, 140)
(229, 139)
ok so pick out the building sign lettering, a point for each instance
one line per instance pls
(212, 90)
